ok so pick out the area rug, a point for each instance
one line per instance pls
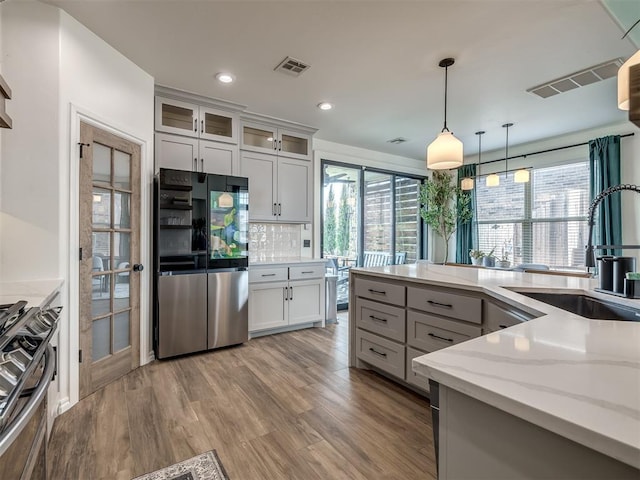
(206, 466)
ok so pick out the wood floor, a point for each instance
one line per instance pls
(283, 406)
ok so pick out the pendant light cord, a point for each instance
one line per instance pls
(446, 82)
(506, 150)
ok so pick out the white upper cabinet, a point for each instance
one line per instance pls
(273, 139)
(193, 120)
(184, 153)
(294, 190)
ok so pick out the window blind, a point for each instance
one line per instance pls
(543, 221)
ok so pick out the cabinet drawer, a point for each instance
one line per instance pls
(497, 318)
(380, 291)
(412, 378)
(306, 271)
(449, 304)
(380, 352)
(431, 333)
(275, 274)
(382, 319)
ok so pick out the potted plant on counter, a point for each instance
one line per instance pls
(476, 257)
(503, 262)
(489, 260)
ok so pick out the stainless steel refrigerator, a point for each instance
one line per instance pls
(201, 282)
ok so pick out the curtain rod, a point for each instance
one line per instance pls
(546, 151)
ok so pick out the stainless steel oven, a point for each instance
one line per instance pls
(27, 365)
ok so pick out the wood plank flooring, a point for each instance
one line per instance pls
(279, 407)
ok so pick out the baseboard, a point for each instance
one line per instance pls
(63, 405)
(150, 357)
(289, 328)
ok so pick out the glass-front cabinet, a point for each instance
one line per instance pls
(271, 139)
(184, 118)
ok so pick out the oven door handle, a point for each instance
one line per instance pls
(14, 429)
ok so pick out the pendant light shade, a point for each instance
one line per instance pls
(466, 183)
(493, 180)
(521, 176)
(445, 152)
(623, 81)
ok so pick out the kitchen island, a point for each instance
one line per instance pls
(559, 384)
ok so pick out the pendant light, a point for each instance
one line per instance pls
(493, 180)
(445, 152)
(521, 175)
(623, 81)
(467, 182)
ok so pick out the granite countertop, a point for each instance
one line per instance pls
(36, 292)
(576, 377)
(284, 261)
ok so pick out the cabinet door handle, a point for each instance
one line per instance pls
(450, 340)
(202, 165)
(280, 145)
(290, 293)
(286, 293)
(437, 304)
(268, 275)
(372, 317)
(195, 124)
(275, 209)
(503, 326)
(195, 164)
(275, 144)
(377, 352)
(279, 209)
(377, 292)
(201, 126)
(307, 272)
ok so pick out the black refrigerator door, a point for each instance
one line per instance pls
(228, 222)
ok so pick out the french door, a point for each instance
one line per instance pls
(110, 251)
(370, 217)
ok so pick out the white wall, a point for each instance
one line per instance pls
(60, 72)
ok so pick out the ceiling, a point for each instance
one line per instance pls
(377, 61)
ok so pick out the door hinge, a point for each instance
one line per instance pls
(83, 145)
(80, 356)
(80, 256)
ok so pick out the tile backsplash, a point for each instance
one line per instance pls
(276, 240)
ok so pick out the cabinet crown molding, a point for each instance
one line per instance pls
(279, 122)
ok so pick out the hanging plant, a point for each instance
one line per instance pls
(439, 208)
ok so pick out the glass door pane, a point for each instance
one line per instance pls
(215, 124)
(179, 117)
(340, 235)
(378, 219)
(407, 224)
(229, 224)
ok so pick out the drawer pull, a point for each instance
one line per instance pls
(437, 304)
(372, 317)
(268, 275)
(377, 292)
(441, 338)
(307, 272)
(503, 326)
(377, 352)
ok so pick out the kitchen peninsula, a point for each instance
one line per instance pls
(530, 378)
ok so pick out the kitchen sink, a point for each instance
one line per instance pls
(587, 307)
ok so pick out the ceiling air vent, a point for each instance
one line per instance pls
(397, 140)
(578, 79)
(291, 66)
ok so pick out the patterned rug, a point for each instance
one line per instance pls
(206, 466)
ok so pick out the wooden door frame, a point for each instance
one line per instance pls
(69, 337)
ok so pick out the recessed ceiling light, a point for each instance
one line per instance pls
(325, 106)
(225, 77)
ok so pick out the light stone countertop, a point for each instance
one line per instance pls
(36, 293)
(576, 377)
(264, 261)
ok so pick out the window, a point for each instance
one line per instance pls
(543, 221)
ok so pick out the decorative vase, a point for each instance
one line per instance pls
(489, 261)
(503, 263)
(476, 261)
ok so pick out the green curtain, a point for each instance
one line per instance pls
(466, 232)
(604, 165)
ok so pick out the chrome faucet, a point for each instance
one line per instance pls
(590, 260)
